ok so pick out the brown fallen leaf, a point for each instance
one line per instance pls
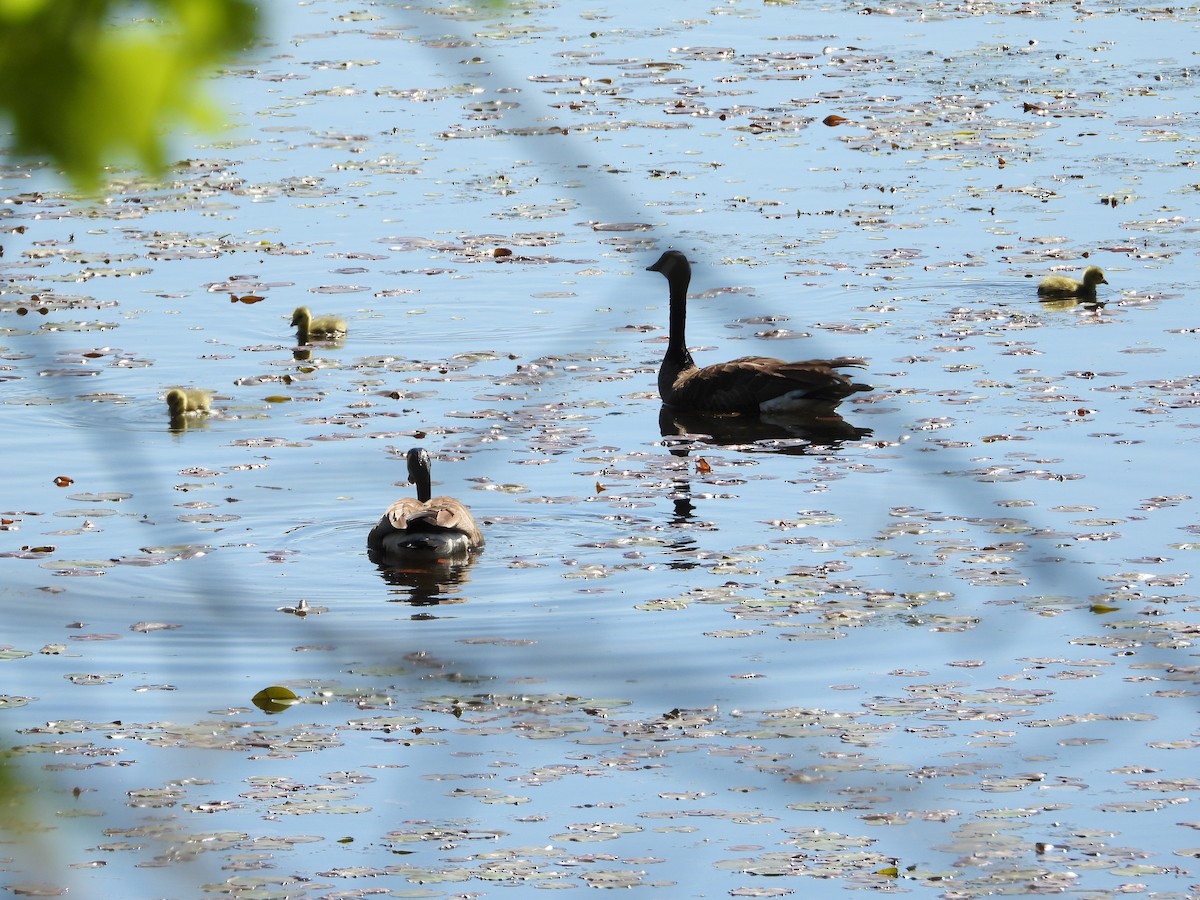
(64, 481)
(834, 121)
(246, 298)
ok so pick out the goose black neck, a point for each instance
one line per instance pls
(418, 472)
(679, 275)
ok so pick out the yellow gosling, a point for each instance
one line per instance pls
(1062, 286)
(182, 401)
(320, 327)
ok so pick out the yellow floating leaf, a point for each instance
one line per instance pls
(275, 699)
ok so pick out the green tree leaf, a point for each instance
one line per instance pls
(86, 84)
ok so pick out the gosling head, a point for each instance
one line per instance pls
(1092, 276)
(176, 402)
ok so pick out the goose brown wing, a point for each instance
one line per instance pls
(744, 384)
(395, 518)
(446, 514)
(820, 378)
(400, 513)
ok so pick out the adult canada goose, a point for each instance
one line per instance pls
(1062, 286)
(181, 401)
(750, 384)
(428, 527)
(320, 327)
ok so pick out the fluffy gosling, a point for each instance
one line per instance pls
(320, 327)
(181, 401)
(1063, 286)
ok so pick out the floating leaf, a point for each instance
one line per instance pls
(275, 699)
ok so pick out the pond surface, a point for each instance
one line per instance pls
(946, 650)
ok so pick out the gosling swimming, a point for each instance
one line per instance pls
(181, 401)
(320, 327)
(1063, 286)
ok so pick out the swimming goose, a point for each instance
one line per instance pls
(181, 401)
(437, 527)
(320, 327)
(750, 384)
(1062, 286)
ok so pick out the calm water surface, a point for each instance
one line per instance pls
(952, 656)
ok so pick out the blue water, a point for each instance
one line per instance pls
(973, 624)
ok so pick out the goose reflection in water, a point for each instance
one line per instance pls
(792, 435)
(684, 431)
(428, 583)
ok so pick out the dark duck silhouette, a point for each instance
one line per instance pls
(751, 385)
(425, 526)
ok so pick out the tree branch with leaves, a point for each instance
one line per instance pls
(88, 84)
